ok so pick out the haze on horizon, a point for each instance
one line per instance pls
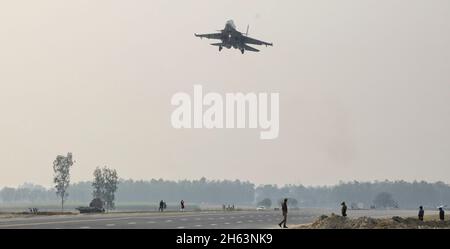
(364, 89)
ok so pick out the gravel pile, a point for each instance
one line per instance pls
(339, 222)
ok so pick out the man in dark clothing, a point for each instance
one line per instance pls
(421, 213)
(441, 214)
(344, 209)
(284, 208)
(182, 205)
(161, 206)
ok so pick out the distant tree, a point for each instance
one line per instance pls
(105, 186)
(111, 181)
(385, 200)
(61, 169)
(98, 184)
(266, 203)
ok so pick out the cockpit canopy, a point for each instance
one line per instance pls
(231, 23)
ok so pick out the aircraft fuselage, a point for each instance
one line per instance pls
(231, 38)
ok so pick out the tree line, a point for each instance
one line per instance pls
(203, 191)
(105, 188)
(403, 194)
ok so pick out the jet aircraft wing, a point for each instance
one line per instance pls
(253, 41)
(210, 36)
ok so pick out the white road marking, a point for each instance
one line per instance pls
(150, 222)
(110, 225)
(184, 219)
(91, 219)
(61, 222)
(180, 227)
(168, 221)
(213, 224)
(84, 227)
(239, 222)
(227, 223)
(198, 225)
(131, 223)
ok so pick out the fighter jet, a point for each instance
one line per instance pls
(231, 38)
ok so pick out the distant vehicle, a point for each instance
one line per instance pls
(96, 206)
(260, 208)
(231, 38)
(89, 210)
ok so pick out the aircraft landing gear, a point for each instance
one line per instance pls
(220, 48)
(242, 51)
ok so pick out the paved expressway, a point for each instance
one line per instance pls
(188, 220)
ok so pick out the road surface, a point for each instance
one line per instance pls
(188, 220)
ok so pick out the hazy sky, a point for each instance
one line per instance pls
(364, 89)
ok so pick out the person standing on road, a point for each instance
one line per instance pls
(421, 213)
(344, 209)
(284, 209)
(182, 205)
(161, 206)
(441, 213)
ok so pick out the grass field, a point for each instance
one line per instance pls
(434, 217)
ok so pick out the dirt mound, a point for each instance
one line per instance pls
(339, 222)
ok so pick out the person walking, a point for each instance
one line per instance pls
(161, 206)
(421, 213)
(284, 209)
(182, 205)
(441, 213)
(344, 209)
